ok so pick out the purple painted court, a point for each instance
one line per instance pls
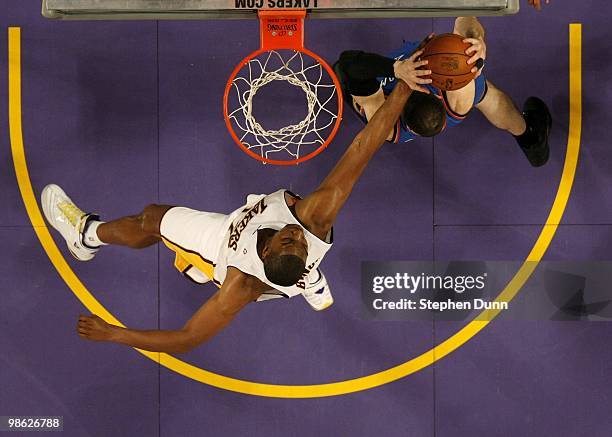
(126, 113)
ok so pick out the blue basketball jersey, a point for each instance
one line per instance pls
(402, 133)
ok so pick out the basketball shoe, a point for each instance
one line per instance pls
(68, 220)
(317, 292)
(535, 143)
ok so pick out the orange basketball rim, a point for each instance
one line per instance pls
(282, 56)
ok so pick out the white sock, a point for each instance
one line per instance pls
(90, 238)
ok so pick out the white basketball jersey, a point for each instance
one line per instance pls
(239, 245)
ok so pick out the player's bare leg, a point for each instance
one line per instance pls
(136, 231)
(499, 109)
(85, 233)
(530, 128)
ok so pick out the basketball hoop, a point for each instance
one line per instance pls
(282, 57)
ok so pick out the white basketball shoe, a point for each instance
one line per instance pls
(317, 293)
(68, 220)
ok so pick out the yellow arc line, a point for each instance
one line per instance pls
(319, 390)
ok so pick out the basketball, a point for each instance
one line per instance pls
(448, 61)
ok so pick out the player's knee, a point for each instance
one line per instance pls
(342, 58)
(349, 61)
(150, 218)
(350, 55)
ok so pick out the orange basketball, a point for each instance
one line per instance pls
(448, 62)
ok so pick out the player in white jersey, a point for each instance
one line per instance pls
(270, 247)
(207, 244)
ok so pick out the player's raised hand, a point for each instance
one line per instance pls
(94, 328)
(537, 4)
(410, 71)
(478, 50)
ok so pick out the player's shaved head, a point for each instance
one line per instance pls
(284, 270)
(424, 114)
(285, 254)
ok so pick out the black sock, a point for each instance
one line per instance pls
(527, 138)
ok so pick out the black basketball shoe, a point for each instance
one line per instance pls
(534, 142)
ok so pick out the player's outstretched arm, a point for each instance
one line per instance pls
(216, 313)
(319, 210)
(360, 71)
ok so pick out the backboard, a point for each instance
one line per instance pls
(224, 9)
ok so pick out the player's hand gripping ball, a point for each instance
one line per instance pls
(454, 60)
(413, 72)
(478, 50)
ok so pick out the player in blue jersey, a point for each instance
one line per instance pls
(368, 78)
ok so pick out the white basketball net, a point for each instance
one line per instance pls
(300, 70)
